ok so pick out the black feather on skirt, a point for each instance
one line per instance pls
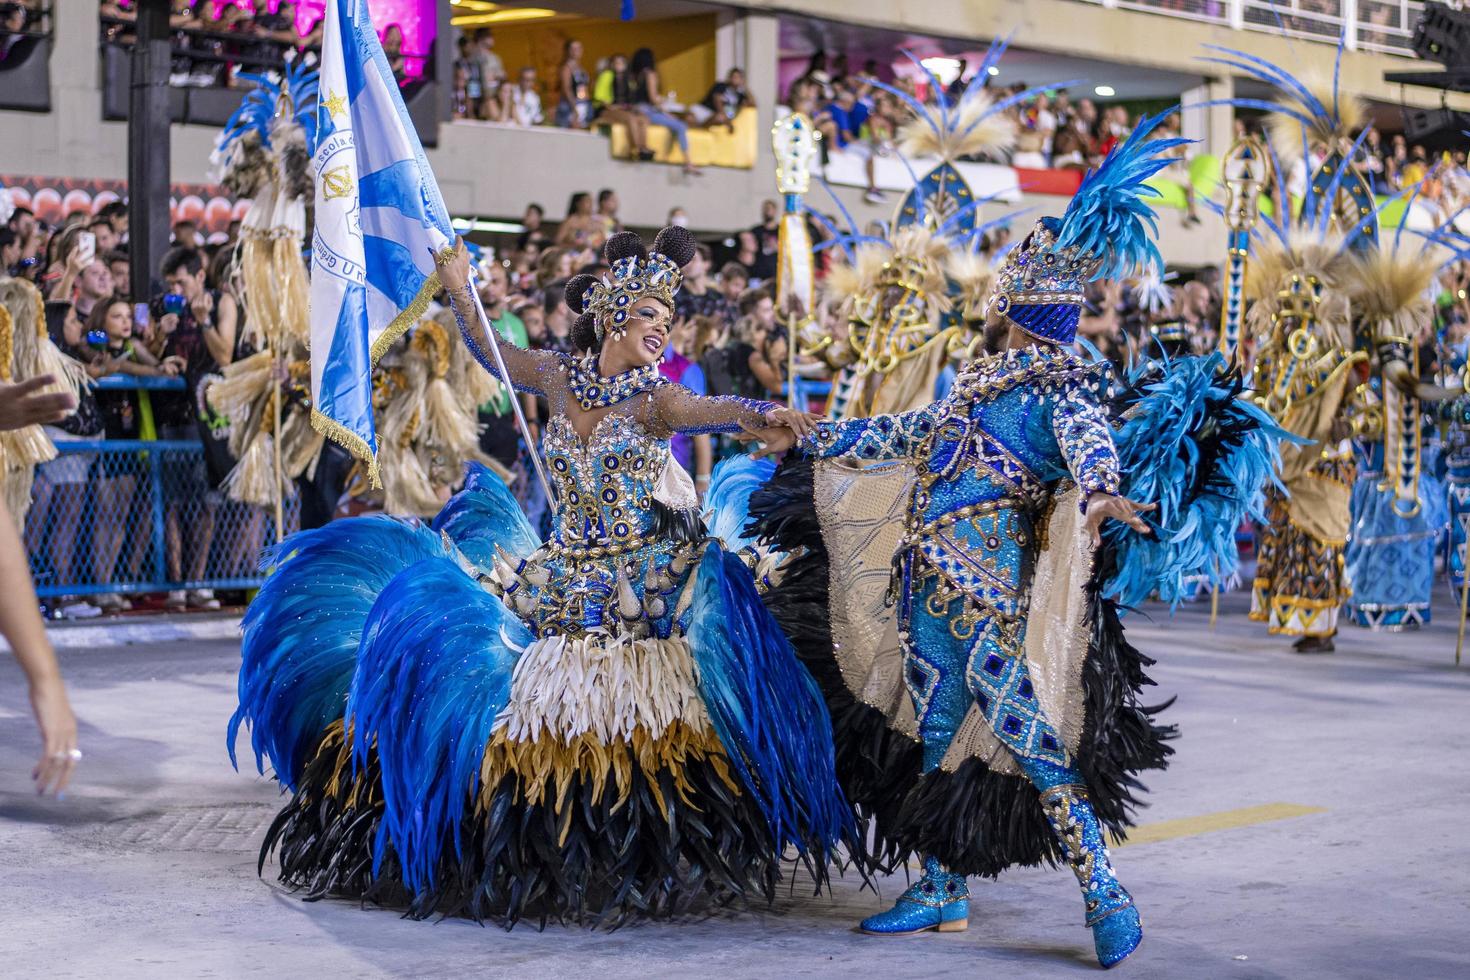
(592, 862)
(974, 820)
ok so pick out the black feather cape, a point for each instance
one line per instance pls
(974, 820)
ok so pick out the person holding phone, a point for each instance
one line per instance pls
(203, 338)
(126, 414)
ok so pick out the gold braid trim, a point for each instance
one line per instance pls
(406, 318)
(7, 342)
(350, 441)
(549, 766)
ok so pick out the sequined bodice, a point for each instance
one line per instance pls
(604, 484)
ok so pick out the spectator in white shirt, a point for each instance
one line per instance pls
(522, 102)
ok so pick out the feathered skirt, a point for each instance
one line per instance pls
(451, 750)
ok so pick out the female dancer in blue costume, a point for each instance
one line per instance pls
(602, 726)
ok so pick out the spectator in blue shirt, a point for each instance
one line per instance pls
(841, 124)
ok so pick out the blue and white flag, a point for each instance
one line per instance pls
(379, 217)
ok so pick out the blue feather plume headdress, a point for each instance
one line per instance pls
(1107, 231)
(272, 134)
(930, 244)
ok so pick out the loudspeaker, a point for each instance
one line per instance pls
(1443, 35)
(1433, 125)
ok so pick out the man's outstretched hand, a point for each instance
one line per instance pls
(1103, 506)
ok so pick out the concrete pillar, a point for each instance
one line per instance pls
(761, 36)
(729, 41)
(1212, 125)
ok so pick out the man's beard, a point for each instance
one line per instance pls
(993, 336)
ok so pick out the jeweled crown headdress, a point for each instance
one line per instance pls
(1106, 232)
(634, 272)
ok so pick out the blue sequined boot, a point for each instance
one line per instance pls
(939, 900)
(1116, 927)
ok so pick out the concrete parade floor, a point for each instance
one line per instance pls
(1311, 825)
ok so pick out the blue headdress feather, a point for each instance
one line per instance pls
(1108, 217)
(258, 110)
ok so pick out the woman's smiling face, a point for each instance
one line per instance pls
(646, 333)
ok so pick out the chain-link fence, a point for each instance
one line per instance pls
(129, 516)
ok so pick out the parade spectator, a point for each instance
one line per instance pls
(113, 482)
(520, 104)
(699, 297)
(203, 339)
(766, 235)
(492, 69)
(393, 49)
(499, 437)
(574, 89)
(581, 230)
(651, 100)
(534, 234)
(842, 123)
(724, 100)
(734, 281)
(607, 210)
(613, 104)
(469, 82)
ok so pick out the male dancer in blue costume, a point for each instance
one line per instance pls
(994, 466)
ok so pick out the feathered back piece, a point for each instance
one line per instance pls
(1109, 217)
(1309, 108)
(1310, 267)
(971, 125)
(1108, 231)
(913, 260)
(259, 110)
(973, 277)
(1389, 286)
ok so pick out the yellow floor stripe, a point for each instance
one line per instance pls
(1209, 823)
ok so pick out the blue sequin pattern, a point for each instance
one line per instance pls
(987, 460)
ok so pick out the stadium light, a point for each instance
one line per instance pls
(944, 69)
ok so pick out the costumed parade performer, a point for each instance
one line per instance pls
(604, 725)
(1400, 505)
(1307, 363)
(914, 296)
(425, 393)
(994, 717)
(264, 154)
(27, 354)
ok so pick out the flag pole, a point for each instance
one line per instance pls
(515, 402)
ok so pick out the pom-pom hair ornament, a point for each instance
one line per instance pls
(635, 272)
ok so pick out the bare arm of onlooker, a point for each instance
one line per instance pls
(27, 403)
(20, 622)
(768, 374)
(74, 265)
(220, 338)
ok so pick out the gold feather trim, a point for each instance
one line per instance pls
(976, 131)
(1334, 134)
(546, 768)
(975, 277)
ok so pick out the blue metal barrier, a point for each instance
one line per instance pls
(139, 515)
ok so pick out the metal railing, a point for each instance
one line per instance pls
(138, 515)
(1386, 26)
